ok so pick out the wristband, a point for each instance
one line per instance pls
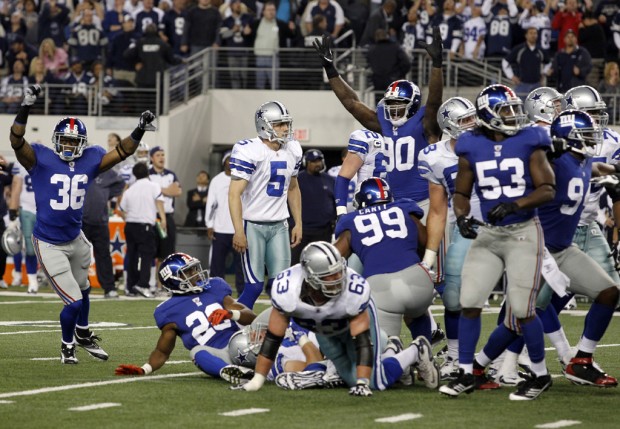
(430, 256)
(236, 315)
(147, 369)
(363, 381)
(22, 115)
(341, 210)
(303, 340)
(137, 134)
(330, 70)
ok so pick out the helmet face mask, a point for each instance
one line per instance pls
(274, 123)
(401, 101)
(142, 153)
(324, 268)
(373, 191)
(588, 99)
(180, 274)
(456, 115)
(244, 345)
(69, 138)
(544, 104)
(580, 131)
(499, 109)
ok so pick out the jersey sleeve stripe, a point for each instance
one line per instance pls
(242, 163)
(358, 146)
(240, 169)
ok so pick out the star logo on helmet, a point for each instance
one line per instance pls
(260, 114)
(242, 357)
(536, 96)
(569, 99)
(446, 113)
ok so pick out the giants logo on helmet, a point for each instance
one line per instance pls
(567, 120)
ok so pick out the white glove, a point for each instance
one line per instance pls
(610, 179)
(360, 389)
(30, 95)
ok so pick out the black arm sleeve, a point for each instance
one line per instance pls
(363, 346)
(270, 346)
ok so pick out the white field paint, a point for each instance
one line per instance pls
(95, 406)
(58, 330)
(6, 402)
(244, 412)
(399, 418)
(55, 324)
(558, 424)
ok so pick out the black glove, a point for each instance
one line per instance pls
(324, 49)
(500, 211)
(558, 148)
(145, 121)
(435, 48)
(13, 213)
(466, 226)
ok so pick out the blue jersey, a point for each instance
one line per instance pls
(502, 169)
(59, 190)
(401, 148)
(499, 35)
(383, 236)
(559, 218)
(190, 315)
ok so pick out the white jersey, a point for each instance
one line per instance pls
(126, 172)
(268, 173)
(26, 197)
(438, 164)
(217, 213)
(610, 153)
(472, 30)
(367, 145)
(329, 319)
(542, 23)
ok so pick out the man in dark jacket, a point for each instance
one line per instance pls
(388, 62)
(571, 65)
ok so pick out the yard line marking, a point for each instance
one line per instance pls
(400, 418)
(169, 362)
(95, 384)
(55, 324)
(95, 406)
(598, 345)
(558, 424)
(7, 402)
(244, 412)
(58, 330)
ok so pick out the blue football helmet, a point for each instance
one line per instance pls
(580, 131)
(372, 191)
(456, 115)
(499, 109)
(180, 274)
(401, 101)
(69, 130)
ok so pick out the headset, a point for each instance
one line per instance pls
(315, 152)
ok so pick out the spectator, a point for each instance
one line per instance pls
(388, 62)
(615, 28)
(118, 66)
(76, 98)
(409, 31)
(318, 207)
(524, 64)
(592, 38)
(605, 12)
(108, 95)
(132, 6)
(236, 32)
(196, 201)
(356, 13)
(500, 18)
(474, 33)
(566, 18)
(12, 88)
(141, 204)
(87, 41)
(220, 228)
(31, 18)
(270, 35)
(452, 24)
(610, 86)
(332, 11)
(88, 5)
(53, 19)
(19, 50)
(55, 59)
(536, 14)
(174, 23)
(113, 20)
(149, 15)
(202, 28)
(571, 65)
(380, 19)
(106, 186)
(38, 75)
(17, 27)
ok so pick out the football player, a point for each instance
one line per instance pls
(507, 163)
(202, 313)
(60, 177)
(264, 178)
(141, 155)
(326, 297)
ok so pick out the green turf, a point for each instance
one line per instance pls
(195, 400)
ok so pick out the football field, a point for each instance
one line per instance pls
(36, 391)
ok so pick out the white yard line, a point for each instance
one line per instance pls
(58, 330)
(558, 424)
(399, 418)
(244, 412)
(6, 402)
(95, 406)
(95, 384)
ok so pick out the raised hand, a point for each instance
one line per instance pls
(324, 49)
(146, 121)
(30, 95)
(435, 48)
(124, 369)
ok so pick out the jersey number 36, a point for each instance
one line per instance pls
(70, 193)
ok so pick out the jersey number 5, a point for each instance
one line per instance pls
(275, 187)
(70, 193)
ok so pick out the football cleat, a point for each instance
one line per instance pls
(510, 378)
(532, 388)
(571, 305)
(585, 372)
(449, 370)
(426, 365)
(300, 380)
(143, 291)
(236, 374)
(90, 345)
(67, 354)
(483, 381)
(464, 383)
(437, 336)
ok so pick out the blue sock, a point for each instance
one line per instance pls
(559, 303)
(82, 319)
(534, 339)
(549, 319)
(451, 319)
(251, 292)
(421, 326)
(439, 287)
(517, 345)
(68, 320)
(392, 370)
(268, 287)
(208, 363)
(31, 264)
(597, 321)
(469, 332)
(499, 340)
(17, 261)
(502, 314)
(316, 366)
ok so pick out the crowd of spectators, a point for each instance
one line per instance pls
(69, 41)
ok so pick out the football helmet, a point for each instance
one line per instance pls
(245, 344)
(588, 99)
(142, 153)
(372, 191)
(66, 130)
(544, 104)
(499, 109)
(12, 240)
(456, 115)
(401, 101)
(580, 131)
(319, 260)
(270, 113)
(180, 273)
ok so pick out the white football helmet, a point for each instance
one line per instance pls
(142, 153)
(544, 104)
(244, 345)
(319, 260)
(587, 99)
(456, 115)
(12, 240)
(270, 113)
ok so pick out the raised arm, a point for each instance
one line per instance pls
(129, 144)
(23, 151)
(435, 87)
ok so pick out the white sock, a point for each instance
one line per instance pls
(407, 357)
(468, 368)
(33, 284)
(587, 345)
(483, 359)
(153, 279)
(433, 323)
(510, 363)
(17, 278)
(559, 341)
(539, 368)
(453, 349)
